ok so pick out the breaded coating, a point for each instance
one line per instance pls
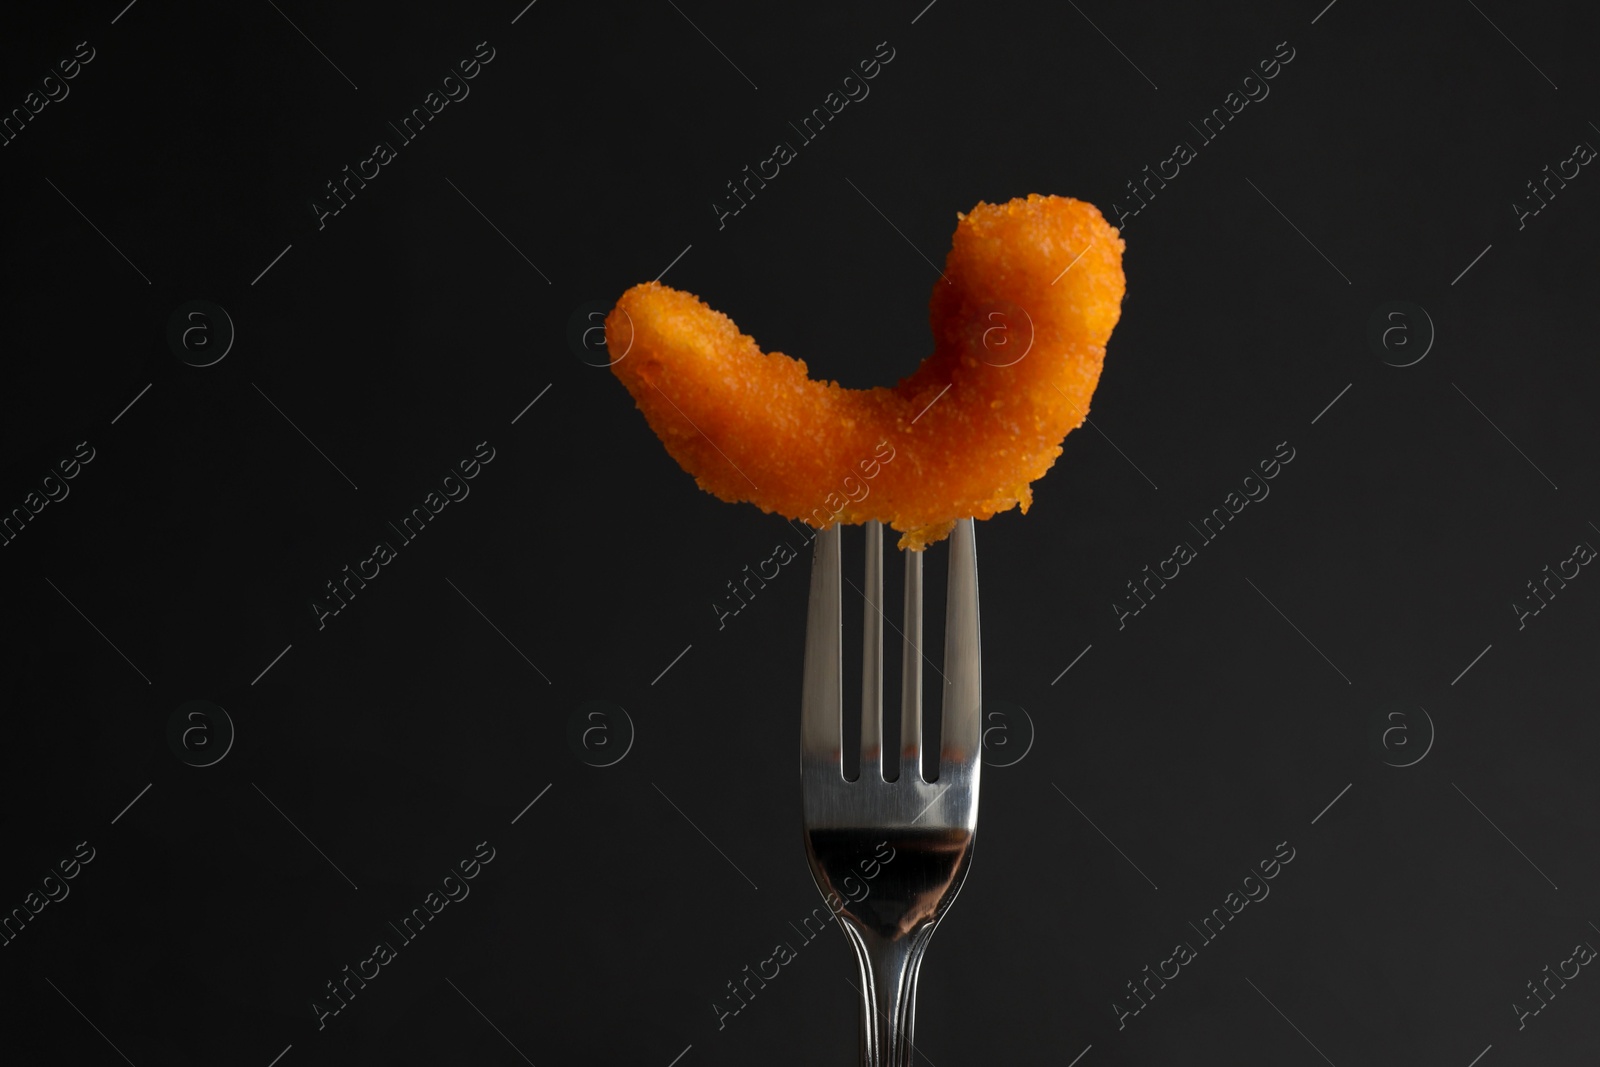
(1031, 291)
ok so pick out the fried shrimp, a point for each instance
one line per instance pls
(1031, 291)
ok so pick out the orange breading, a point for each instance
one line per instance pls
(1030, 293)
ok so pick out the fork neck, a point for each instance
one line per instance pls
(889, 970)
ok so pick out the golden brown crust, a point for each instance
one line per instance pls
(1031, 291)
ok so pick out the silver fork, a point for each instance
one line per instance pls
(890, 918)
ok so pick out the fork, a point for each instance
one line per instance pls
(930, 825)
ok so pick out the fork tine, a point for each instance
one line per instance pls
(822, 695)
(872, 655)
(911, 670)
(963, 692)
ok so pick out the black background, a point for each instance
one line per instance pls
(424, 717)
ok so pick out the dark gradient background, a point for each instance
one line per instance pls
(1358, 618)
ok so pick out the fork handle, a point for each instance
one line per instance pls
(889, 970)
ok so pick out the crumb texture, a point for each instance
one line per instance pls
(1031, 291)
